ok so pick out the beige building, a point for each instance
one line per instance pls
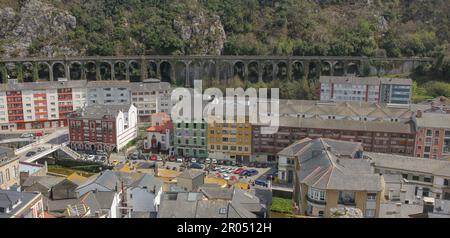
(9, 168)
(325, 180)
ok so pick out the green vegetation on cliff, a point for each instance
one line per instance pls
(255, 27)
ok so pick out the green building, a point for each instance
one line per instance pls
(190, 139)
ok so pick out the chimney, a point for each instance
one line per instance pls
(419, 114)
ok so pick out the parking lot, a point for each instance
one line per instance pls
(227, 172)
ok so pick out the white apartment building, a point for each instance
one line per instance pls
(39, 105)
(366, 89)
(108, 92)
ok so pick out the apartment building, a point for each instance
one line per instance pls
(100, 128)
(39, 105)
(9, 168)
(366, 89)
(230, 141)
(429, 178)
(288, 156)
(108, 92)
(149, 96)
(379, 127)
(190, 139)
(325, 180)
(14, 204)
(433, 136)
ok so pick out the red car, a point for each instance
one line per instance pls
(238, 171)
(153, 157)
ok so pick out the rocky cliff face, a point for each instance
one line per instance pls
(205, 34)
(35, 22)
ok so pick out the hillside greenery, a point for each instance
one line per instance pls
(390, 28)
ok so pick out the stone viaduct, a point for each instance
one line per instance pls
(182, 70)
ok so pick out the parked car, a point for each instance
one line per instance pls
(238, 171)
(172, 158)
(153, 158)
(261, 182)
(193, 160)
(179, 160)
(207, 161)
(226, 177)
(31, 153)
(90, 157)
(115, 162)
(196, 166)
(252, 172)
(214, 161)
(26, 135)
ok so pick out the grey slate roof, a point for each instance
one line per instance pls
(345, 109)
(192, 205)
(107, 179)
(351, 125)
(407, 163)
(46, 181)
(434, 120)
(217, 192)
(248, 200)
(97, 201)
(99, 111)
(9, 197)
(43, 85)
(342, 148)
(149, 182)
(191, 174)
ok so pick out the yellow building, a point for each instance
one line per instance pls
(9, 168)
(230, 141)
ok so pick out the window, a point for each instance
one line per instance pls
(320, 213)
(370, 213)
(7, 175)
(346, 197)
(429, 133)
(427, 179)
(371, 196)
(415, 178)
(316, 194)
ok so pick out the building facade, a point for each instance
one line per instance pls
(150, 97)
(433, 136)
(366, 89)
(230, 141)
(325, 180)
(190, 139)
(159, 135)
(380, 128)
(99, 128)
(39, 105)
(9, 168)
(108, 93)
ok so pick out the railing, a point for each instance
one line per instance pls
(46, 152)
(315, 201)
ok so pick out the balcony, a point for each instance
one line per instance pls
(319, 202)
